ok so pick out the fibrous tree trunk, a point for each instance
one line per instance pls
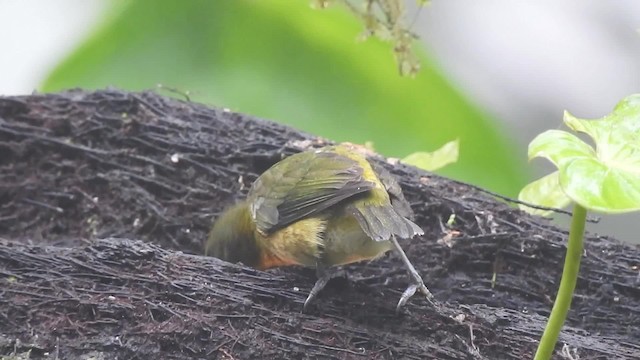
(105, 201)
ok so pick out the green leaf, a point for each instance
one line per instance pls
(545, 191)
(559, 146)
(622, 124)
(599, 187)
(282, 60)
(606, 179)
(435, 160)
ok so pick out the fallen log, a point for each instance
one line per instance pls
(105, 201)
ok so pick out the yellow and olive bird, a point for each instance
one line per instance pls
(318, 209)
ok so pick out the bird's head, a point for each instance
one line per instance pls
(232, 237)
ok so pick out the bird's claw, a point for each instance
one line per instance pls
(418, 284)
(307, 301)
(322, 281)
(317, 287)
(416, 279)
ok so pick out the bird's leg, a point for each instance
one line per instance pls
(415, 278)
(324, 275)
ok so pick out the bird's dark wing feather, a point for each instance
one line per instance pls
(398, 201)
(302, 185)
(380, 220)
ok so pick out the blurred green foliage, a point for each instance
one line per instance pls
(282, 60)
(435, 160)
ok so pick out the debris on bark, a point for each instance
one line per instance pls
(105, 201)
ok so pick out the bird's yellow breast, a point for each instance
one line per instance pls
(296, 244)
(338, 240)
(345, 242)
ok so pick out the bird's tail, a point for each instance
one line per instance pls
(382, 222)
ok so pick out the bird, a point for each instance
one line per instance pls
(319, 208)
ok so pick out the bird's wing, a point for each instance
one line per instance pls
(398, 201)
(302, 185)
(385, 217)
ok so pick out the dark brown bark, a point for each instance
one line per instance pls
(101, 191)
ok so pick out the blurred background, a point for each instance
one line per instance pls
(494, 73)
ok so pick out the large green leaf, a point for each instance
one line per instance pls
(599, 187)
(282, 60)
(559, 147)
(606, 179)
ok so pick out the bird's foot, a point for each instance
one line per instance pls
(323, 278)
(416, 279)
(417, 284)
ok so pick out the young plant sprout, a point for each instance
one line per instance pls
(604, 179)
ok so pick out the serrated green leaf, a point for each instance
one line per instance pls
(282, 60)
(431, 161)
(545, 191)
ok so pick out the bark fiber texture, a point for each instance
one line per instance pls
(105, 201)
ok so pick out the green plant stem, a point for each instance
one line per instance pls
(567, 285)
